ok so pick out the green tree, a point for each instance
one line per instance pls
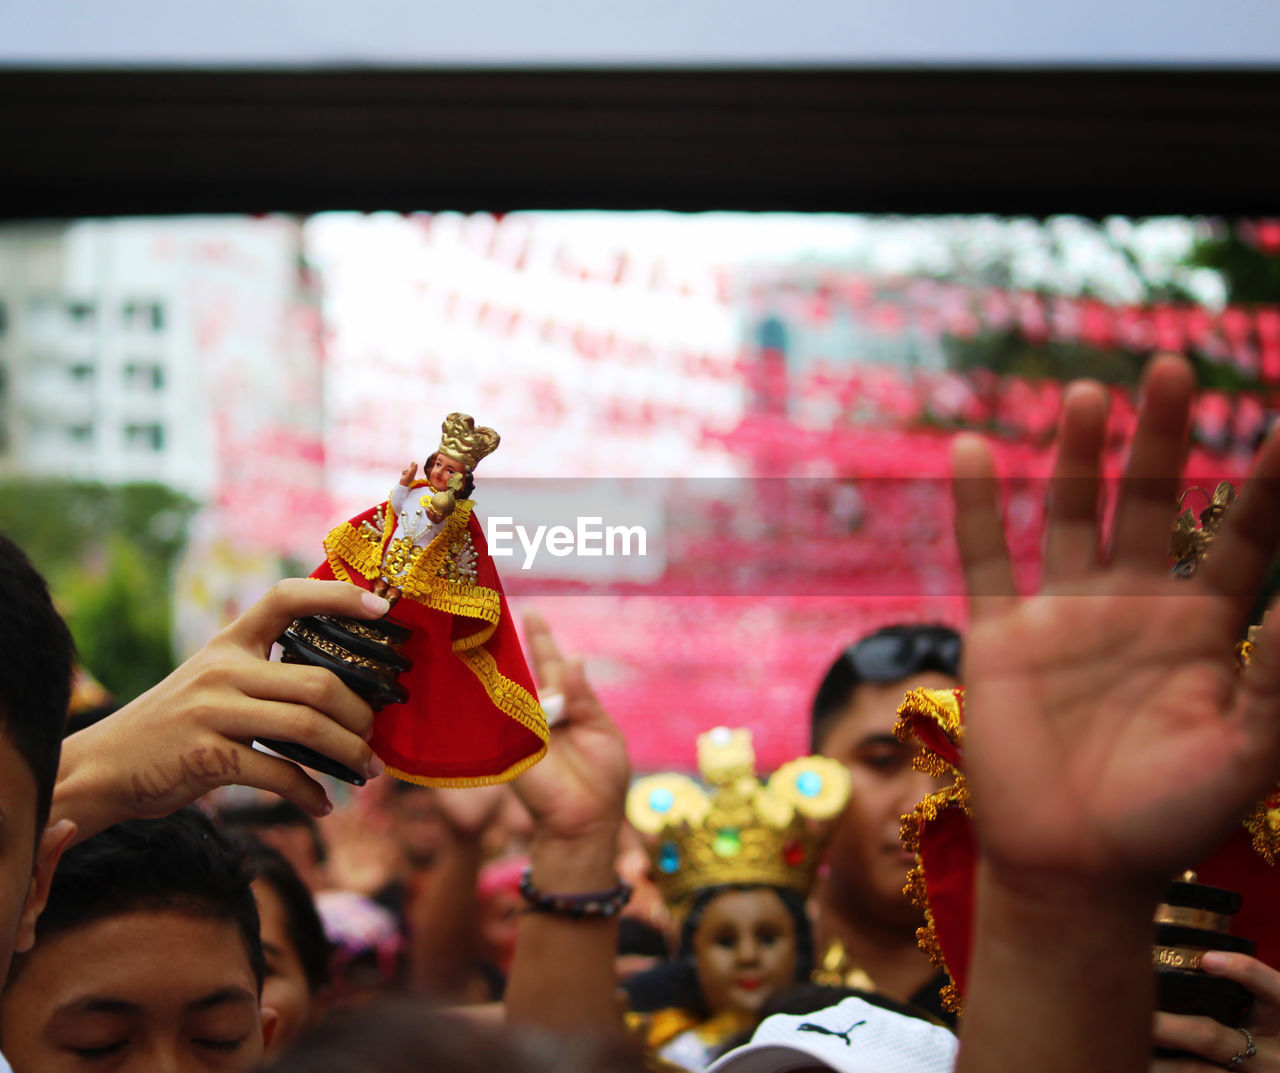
(119, 616)
(108, 553)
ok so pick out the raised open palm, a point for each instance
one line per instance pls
(1108, 732)
(580, 787)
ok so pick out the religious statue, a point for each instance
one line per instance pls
(445, 671)
(734, 863)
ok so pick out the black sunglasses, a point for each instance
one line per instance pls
(889, 657)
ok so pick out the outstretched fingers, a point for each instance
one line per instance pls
(1071, 545)
(1153, 473)
(984, 556)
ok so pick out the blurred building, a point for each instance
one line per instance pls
(183, 351)
(94, 341)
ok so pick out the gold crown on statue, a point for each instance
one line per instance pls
(737, 830)
(463, 442)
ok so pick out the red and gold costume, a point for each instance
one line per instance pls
(940, 829)
(940, 833)
(472, 716)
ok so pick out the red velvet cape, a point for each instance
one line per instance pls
(941, 834)
(472, 716)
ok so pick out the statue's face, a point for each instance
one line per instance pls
(745, 950)
(442, 469)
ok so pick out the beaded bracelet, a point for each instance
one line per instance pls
(604, 903)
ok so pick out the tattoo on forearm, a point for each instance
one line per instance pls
(195, 769)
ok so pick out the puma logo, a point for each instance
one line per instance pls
(824, 1031)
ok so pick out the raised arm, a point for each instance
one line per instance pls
(1109, 740)
(444, 919)
(193, 731)
(562, 976)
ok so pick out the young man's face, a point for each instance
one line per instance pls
(26, 863)
(868, 865)
(141, 992)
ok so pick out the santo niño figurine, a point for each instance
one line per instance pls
(734, 863)
(456, 703)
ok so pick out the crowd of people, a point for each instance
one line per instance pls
(174, 899)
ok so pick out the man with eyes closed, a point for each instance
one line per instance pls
(860, 901)
(147, 958)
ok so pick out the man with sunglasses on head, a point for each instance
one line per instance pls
(861, 904)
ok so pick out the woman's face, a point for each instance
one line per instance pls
(284, 988)
(745, 950)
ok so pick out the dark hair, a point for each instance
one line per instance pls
(399, 1036)
(35, 674)
(794, 904)
(180, 863)
(302, 922)
(890, 654)
(468, 474)
(279, 813)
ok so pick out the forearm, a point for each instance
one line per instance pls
(443, 922)
(562, 977)
(1061, 980)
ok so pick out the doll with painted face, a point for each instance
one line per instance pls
(467, 712)
(735, 862)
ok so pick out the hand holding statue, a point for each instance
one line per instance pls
(194, 731)
(1217, 1044)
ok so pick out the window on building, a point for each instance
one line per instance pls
(143, 316)
(81, 373)
(80, 433)
(148, 437)
(144, 375)
(80, 314)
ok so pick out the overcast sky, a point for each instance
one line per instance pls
(652, 32)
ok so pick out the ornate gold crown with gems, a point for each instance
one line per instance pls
(463, 442)
(737, 830)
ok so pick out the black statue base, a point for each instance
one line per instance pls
(1195, 918)
(364, 654)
